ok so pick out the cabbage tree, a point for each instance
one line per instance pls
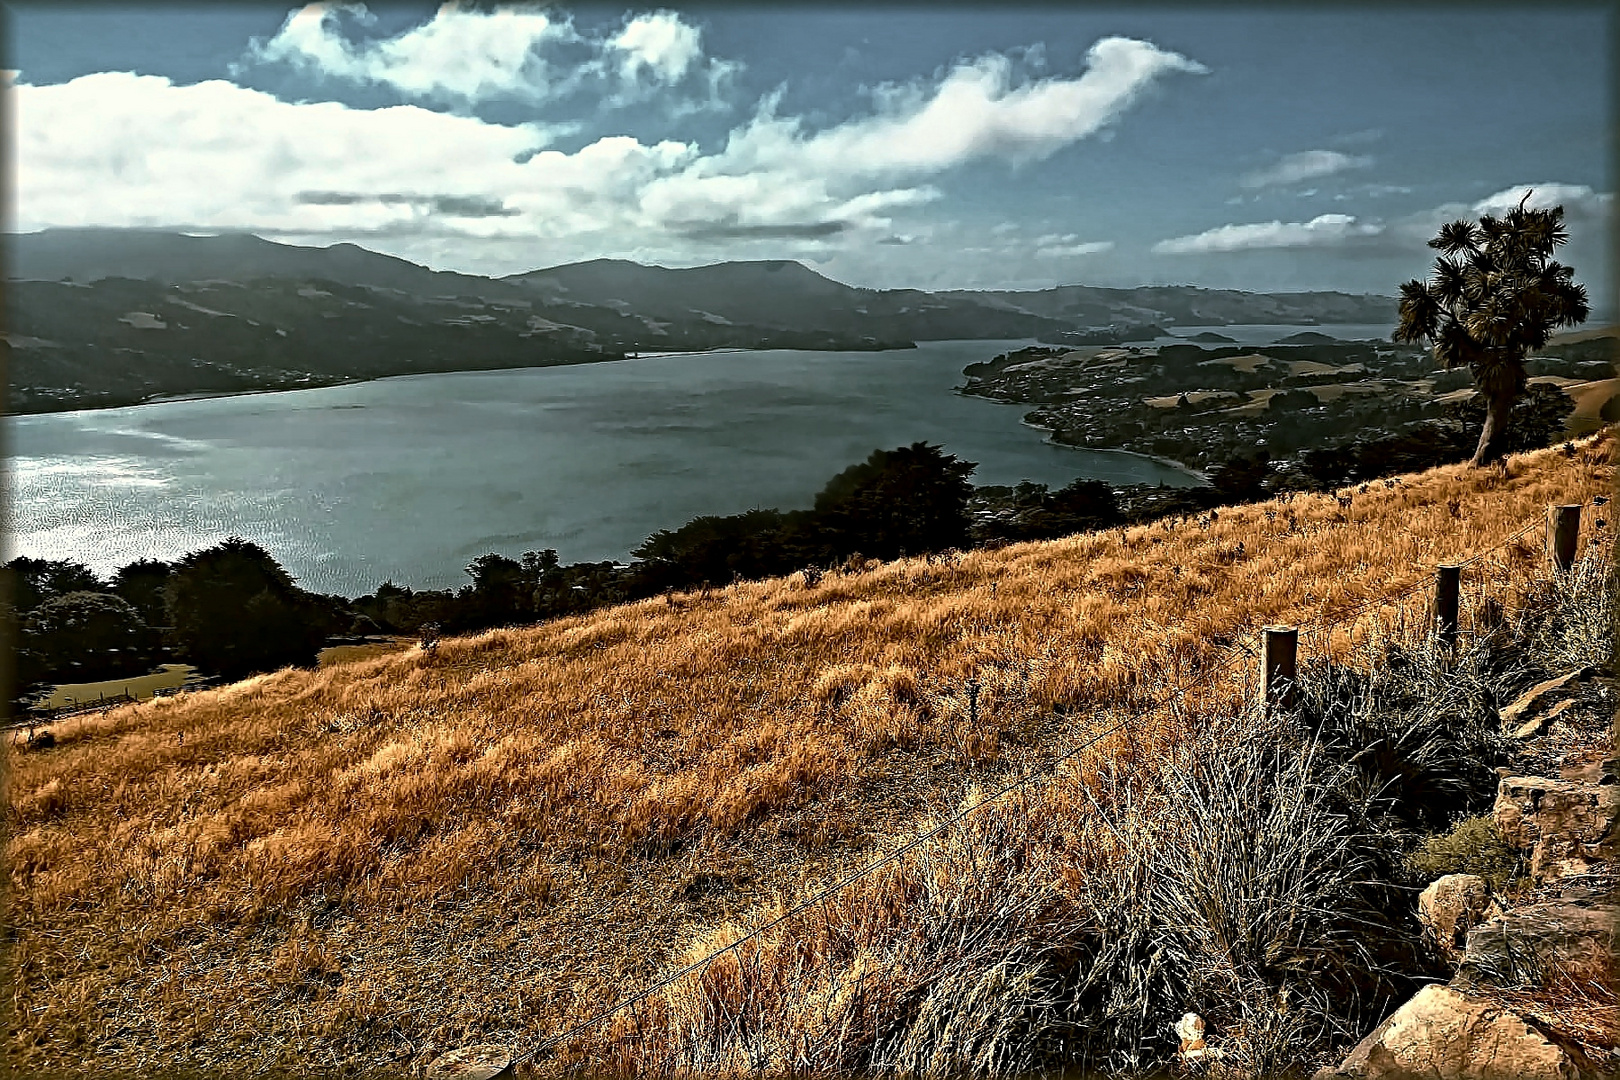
(1495, 294)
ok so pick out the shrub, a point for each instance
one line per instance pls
(1473, 845)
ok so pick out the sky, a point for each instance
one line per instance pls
(1275, 148)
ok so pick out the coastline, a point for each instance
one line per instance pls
(1169, 463)
(204, 395)
(1050, 440)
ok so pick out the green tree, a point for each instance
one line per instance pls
(501, 593)
(82, 636)
(912, 499)
(34, 581)
(1495, 294)
(234, 611)
(715, 549)
(142, 583)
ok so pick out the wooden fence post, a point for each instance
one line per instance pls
(1279, 672)
(1563, 527)
(1447, 587)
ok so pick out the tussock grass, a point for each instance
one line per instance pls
(382, 859)
(1258, 871)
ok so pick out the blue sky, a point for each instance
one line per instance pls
(951, 147)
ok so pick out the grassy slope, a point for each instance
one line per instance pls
(408, 853)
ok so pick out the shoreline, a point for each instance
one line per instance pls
(1169, 463)
(205, 395)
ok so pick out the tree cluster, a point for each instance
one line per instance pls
(230, 610)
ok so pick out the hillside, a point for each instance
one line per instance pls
(101, 317)
(373, 863)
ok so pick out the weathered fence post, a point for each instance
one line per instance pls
(1563, 527)
(1447, 588)
(1279, 656)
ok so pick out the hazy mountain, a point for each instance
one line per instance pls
(115, 316)
(782, 294)
(1188, 305)
(87, 255)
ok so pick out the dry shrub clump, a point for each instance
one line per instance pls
(1047, 930)
(380, 860)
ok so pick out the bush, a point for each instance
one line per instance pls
(82, 636)
(1472, 846)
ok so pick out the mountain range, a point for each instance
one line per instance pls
(116, 316)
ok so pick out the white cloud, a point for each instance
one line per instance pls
(1072, 250)
(659, 44)
(1587, 213)
(1324, 230)
(469, 55)
(1578, 200)
(974, 112)
(1305, 165)
(117, 148)
(120, 149)
(460, 53)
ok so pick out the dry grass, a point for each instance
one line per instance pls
(379, 860)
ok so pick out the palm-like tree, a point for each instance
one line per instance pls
(1495, 294)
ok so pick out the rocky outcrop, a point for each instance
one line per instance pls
(1451, 907)
(1528, 716)
(1573, 930)
(1446, 1033)
(482, 1062)
(1567, 933)
(1568, 825)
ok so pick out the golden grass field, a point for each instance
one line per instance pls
(380, 860)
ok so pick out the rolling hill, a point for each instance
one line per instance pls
(100, 317)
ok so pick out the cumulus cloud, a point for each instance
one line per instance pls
(461, 52)
(1586, 212)
(974, 112)
(659, 45)
(122, 149)
(117, 148)
(1324, 230)
(1579, 201)
(468, 54)
(1305, 165)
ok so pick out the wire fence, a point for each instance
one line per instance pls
(1173, 698)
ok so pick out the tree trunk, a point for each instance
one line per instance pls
(1492, 437)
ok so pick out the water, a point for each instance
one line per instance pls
(409, 479)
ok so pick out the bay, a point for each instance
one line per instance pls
(409, 479)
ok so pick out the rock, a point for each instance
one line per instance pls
(1532, 698)
(481, 1062)
(1541, 721)
(1569, 825)
(1575, 931)
(1190, 1030)
(1449, 908)
(1590, 768)
(1444, 1034)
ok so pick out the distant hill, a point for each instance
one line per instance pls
(1190, 306)
(89, 255)
(783, 294)
(117, 316)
